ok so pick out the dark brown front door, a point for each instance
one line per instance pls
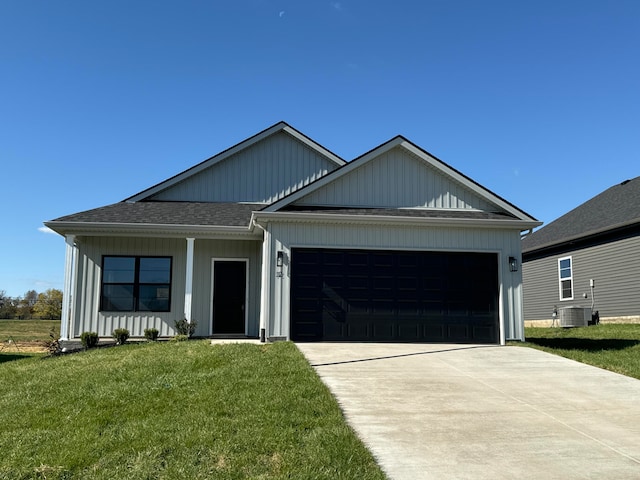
(229, 296)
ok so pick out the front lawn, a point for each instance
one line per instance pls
(175, 410)
(615, 347)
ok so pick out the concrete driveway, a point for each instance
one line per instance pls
(483, 412)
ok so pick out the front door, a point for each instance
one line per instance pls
(229, 296)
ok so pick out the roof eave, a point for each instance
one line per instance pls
(582, 236)
(148, 229)
(265, 217)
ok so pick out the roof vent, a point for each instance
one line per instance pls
(625, 182)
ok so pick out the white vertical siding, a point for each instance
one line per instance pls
(265, 172)
(501, 241)
(88, 317)
(205, 250)
(396, 179)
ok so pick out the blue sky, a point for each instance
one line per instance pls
(537, 101)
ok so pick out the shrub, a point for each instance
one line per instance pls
(89, 339)
(151, 334)
(184, 327)
(120, 335)
(179, 338)
(53, 344)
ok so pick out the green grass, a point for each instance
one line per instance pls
(175, 410)
(615, 347)
(27, 330)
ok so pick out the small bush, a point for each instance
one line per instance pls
(151, 334)
(89, 339)
(180, 338)
(53, 344)
(120, 335)
(184, 327)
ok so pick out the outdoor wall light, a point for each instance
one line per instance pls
(513, 264)
(279, 262)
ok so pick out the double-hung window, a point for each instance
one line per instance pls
(565, 278)
(136, 284)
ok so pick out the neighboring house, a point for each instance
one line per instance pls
(599, 241)
(279, 238)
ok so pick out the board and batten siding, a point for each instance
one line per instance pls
(263, 173)
(503, 242)
(204, 252)
(87, 314)
(396, 179)
(614, 267)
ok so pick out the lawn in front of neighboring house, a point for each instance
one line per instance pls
(175, 410)
(615, 347)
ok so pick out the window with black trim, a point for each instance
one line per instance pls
(565, 277)
(136, 284)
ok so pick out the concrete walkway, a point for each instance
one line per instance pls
(433, 411)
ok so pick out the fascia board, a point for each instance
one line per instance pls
(137, 229)
(280, 126)
(263, 217)
(332, 176)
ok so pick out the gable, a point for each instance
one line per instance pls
(396, 179)
(261, 173)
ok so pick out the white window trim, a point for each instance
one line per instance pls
(560, 279)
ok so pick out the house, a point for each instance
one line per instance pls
(279, 238)
(589, 256)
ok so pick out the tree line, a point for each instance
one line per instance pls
(44, 305)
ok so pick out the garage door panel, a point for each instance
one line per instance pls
(362, 295)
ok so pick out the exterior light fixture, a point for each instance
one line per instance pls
(513, 264)
(279, 262)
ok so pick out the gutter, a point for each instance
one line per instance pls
(389, 219)
(101, 228)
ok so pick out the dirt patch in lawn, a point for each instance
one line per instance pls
(22, 347)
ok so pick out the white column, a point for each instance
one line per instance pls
(67, 297)
(265, 283)
(188, 286)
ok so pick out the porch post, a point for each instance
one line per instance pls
(188, 287)
(69, 277)
(265, 284)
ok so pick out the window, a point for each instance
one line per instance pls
(565, 277)
(136, 284)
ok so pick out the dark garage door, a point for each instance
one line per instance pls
(379, 295)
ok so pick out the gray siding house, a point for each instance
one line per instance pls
(279, 238)
(589, 256)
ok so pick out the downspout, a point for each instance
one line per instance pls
(265, 284)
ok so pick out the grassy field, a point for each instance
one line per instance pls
(175, 410)
(27, 330)
(615, 347)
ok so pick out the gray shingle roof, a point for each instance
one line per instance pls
(168, 213)
(614, 208)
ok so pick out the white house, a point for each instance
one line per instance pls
(279, 238)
